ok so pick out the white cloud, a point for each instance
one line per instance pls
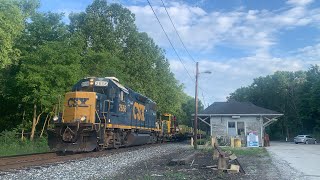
(299, 2)
(229, 75)
(202, 31)
(309, 53)
(252, 30)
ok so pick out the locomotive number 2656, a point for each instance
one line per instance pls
(122, 108)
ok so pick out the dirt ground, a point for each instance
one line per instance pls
(257, 166)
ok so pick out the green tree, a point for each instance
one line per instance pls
(41, 29)
(102, 41)
(293, 93)
(37, 78)
(13, 14)
(116, 48)
(188, 108)
(11, 20)
(42, 86)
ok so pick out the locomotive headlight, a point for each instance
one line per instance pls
(83, 118)
(91, 82)
(55, 118)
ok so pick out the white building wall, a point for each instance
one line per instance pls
(219, 126)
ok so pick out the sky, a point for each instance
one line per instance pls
(236, 40)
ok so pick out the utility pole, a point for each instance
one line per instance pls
(195, 124)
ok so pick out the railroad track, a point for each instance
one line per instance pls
(22, 161)
(12, 163)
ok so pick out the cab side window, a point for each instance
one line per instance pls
(121, 96)
(112, 93)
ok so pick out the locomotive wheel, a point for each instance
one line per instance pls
(116, 140)
(98, 148)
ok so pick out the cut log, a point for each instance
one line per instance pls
(233, 169)
(232, 142)
(232, 157)
(213, 166)
(241, 169)
(215, 154)
(222, 163)
(214, 141)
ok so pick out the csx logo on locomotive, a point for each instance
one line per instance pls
(138, 111)
(78, 102)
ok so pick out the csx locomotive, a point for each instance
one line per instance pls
(101, 113)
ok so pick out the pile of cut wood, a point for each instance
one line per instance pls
(226, 161)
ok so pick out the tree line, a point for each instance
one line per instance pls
(42, 57)
(295, 94)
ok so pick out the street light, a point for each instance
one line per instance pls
(195, 124)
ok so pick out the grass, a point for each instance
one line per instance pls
(202, 141)
(12, 145)
(175, 175)
(245, 151)
(258, 151)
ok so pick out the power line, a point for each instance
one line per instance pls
(172, 43)
(177, 32)
(184, 46)
(169, 40)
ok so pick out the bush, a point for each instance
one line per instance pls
(204, 141)
(10, 144)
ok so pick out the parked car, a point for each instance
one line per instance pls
(306, 139)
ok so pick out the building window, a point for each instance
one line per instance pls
(240, 128)
(231, 124)
(236, 128)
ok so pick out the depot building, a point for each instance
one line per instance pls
(237, 119)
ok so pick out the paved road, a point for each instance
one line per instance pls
(302, 157)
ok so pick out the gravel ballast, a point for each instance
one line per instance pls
(96, 168)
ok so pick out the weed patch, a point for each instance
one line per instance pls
(12, 145)
(257, 151)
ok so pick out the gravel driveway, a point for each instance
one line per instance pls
(96, 168)
(298, 161)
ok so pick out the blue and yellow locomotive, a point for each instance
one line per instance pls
(101, 113)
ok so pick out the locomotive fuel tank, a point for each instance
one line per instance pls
(135, 139)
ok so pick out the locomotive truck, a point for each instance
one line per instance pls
(100, 113)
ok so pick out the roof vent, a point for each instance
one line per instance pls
(113, 78)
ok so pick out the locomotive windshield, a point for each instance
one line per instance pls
(86, 89)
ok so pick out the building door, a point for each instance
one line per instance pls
(241, 131)
(232, 131)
